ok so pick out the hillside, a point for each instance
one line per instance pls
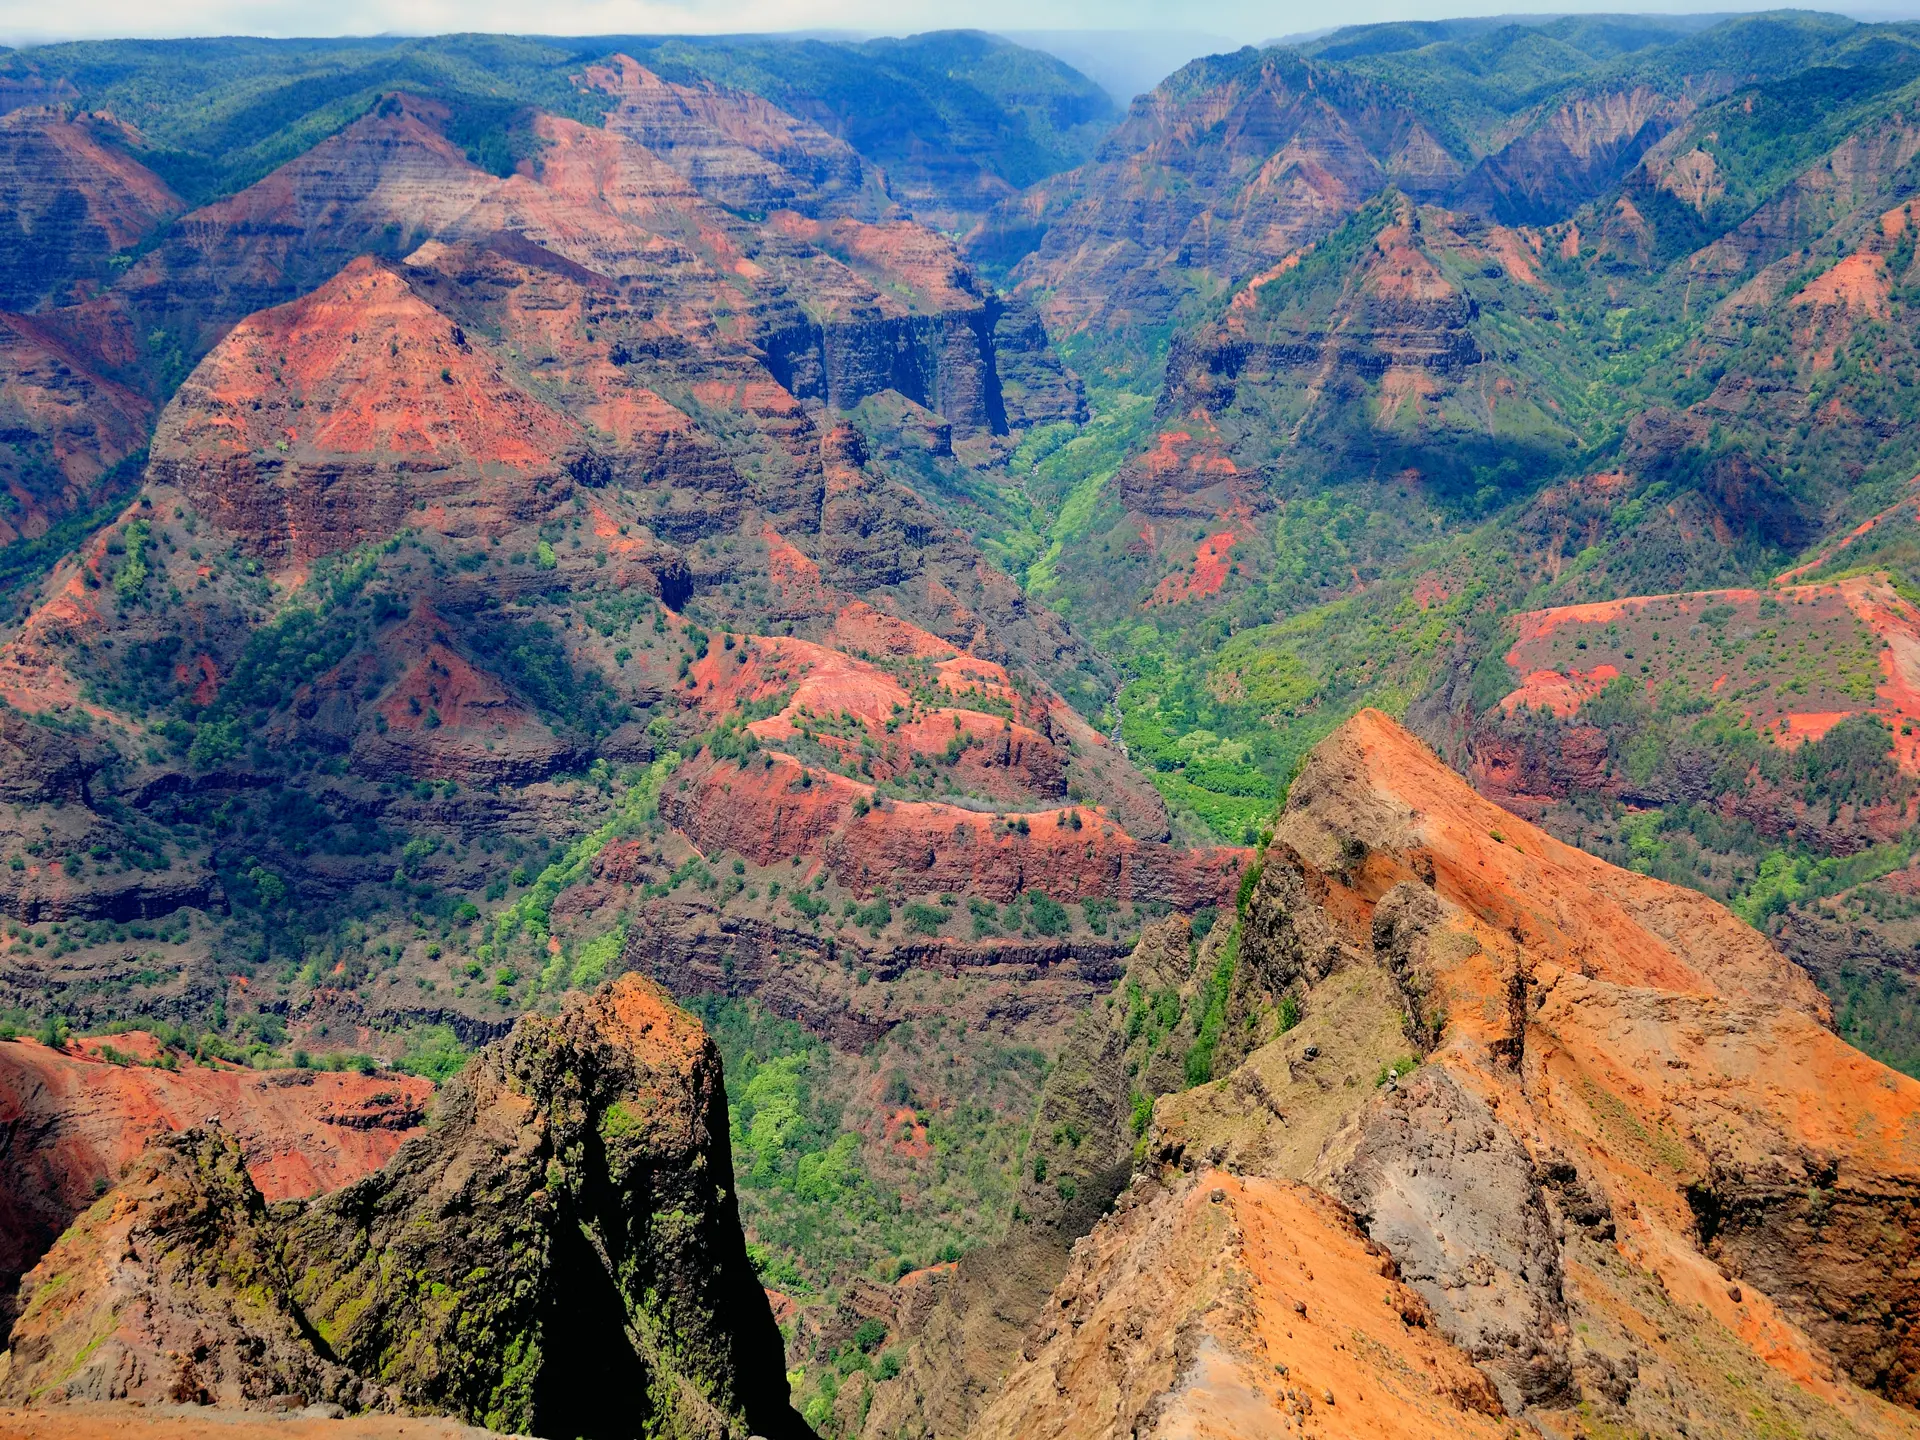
(510, 597)
(958, 119)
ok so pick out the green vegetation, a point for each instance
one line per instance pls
(530, 657)
(435, 1052)
(28, 558)
(1877, 1008)
(1578, 425)
(820, 1185)
(527, 918)
(1213, 1011)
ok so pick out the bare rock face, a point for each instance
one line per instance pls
(1452, 1194)
(1836, 1250)
(1572, 153)
(561, 1254)
(927, 329)
(42, 766)
(1505, 1154)
(1607, 1159)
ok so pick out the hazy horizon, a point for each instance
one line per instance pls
(1220, 23)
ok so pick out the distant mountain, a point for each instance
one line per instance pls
(965, 119)
(1413, 338)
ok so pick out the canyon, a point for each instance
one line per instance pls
(742, 735)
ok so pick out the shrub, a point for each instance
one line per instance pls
(435, 1052)
(925, 919)
(1142, 1114)
(1048, 916)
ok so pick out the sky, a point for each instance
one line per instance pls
(1178, 21)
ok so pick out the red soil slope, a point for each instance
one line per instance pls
(918, 700)
(771, 808)
(1685, 1067)
(322, 423)
(1796, 659)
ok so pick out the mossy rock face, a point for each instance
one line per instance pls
(559, 1255)
(171, 1288)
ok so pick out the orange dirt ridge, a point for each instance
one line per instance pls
(1659, 1042)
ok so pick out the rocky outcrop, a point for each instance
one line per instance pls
(943, 362)
(41, 766)
(1564, 949)
(1454, 1198)
(1613, 1106)
(794, 970)
(1224, 1306)
(315, 1422)
(170, 1290)
(1390, 326)
(1834, 1249)
(1862, 173)
(1035, 388)
(561, 1254)
(939, 348)
(71, 1121)
(55, 783)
